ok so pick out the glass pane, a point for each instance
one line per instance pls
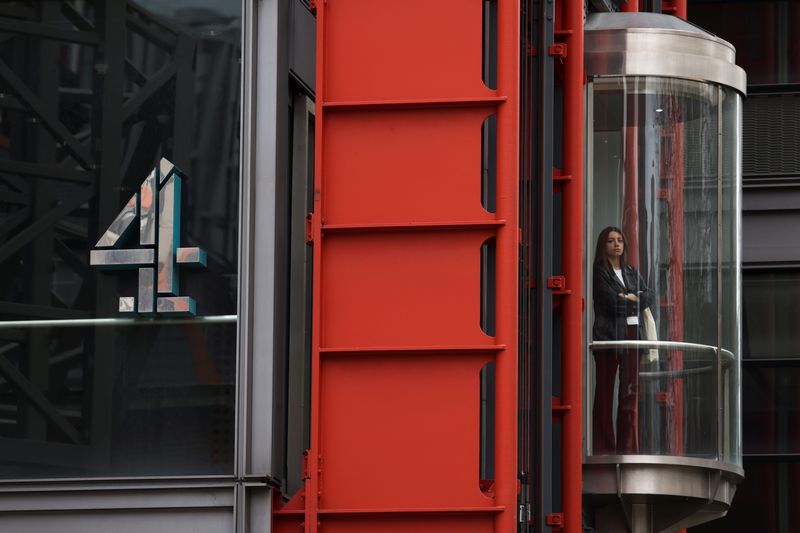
(765, 34)
(771, 410)
(730, 260)
(765, 501)
(771, 302)
(144, 80)
(655, 186)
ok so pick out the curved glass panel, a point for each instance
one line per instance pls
(730, 274)
(662, 266)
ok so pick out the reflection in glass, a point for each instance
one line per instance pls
(162, 82)
(772, 315)
(764, 33)
(121, 225)
(765, 501)
(771, 410)
(664, 170)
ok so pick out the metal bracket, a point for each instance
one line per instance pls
(558, 407)
(557, 284)
(558, 176)
(309, 228)
(555, 520)
(305, 465)
(558, 50)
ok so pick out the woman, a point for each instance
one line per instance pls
(620, 295)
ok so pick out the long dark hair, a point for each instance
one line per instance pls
(600, 257)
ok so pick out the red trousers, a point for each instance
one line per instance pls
(606, 364)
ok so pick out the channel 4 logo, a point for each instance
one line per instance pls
(157, 208)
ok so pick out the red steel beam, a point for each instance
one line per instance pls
(572, 257)
(397, 229)
(506, 485)
(311, 490)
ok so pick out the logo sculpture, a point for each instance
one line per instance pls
(157, 207)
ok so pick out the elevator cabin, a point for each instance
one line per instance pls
(662, 413)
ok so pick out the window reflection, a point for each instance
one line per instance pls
(765, 501)
(765, 34)
(771, 303)
(771, 410)
(139, 80)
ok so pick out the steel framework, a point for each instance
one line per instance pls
(398, 227)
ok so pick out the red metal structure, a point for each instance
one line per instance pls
(397, 231)
(573, 307)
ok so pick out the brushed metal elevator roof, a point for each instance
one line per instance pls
(652, 44)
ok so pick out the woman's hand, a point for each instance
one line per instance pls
(629, 296)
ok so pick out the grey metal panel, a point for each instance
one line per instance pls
(244, 342)
(277, 127)
(299, 346)
(263, 117)
(302, 44)
(770, 236)
(258, 510)
(151, 521)
(772, 199)
(108, 499)
(544, 228)
(771, 137)
(261, 378)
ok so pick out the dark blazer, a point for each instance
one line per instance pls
(611, 311)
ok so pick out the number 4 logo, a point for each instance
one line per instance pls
(157, 207)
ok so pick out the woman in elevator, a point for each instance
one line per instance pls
(620, 296)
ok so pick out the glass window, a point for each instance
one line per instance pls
(765, 501)
(771, 410)
(771, 302)
(89, 104)
(765, 34)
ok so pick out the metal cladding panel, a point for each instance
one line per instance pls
(435, 176)
(397, 232)
(121, 521)
(409, 50)
(409, 288)
(396, 417)
(395, 523)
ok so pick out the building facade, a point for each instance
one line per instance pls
(112, 421)
(159, 421)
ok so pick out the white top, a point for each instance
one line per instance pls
(631, 320)
(618, 272)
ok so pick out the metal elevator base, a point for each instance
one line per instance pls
(657, 494)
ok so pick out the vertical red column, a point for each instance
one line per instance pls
(673, 172)
(571, 27)
(397, 230)
(675, 175)
(677, 8)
